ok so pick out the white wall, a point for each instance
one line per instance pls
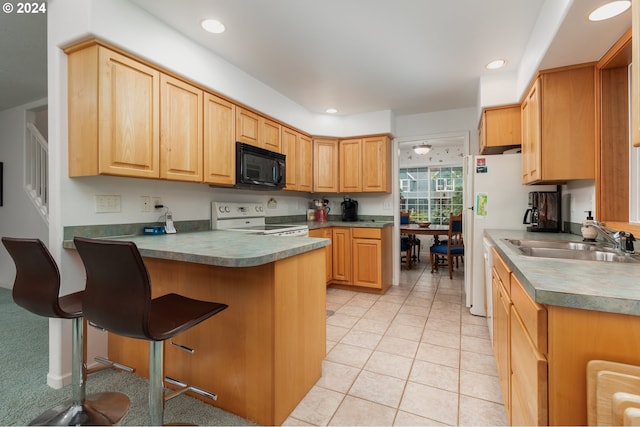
(441, 122)
(578, 197)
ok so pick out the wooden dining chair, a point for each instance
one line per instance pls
(413, 245)
(453, 250)
(406, 246)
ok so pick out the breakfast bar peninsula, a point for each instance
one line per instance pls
(264, 353)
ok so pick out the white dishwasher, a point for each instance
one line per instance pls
(488, 266)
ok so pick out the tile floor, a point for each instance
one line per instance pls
(414, 356)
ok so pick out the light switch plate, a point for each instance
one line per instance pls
(107, 203)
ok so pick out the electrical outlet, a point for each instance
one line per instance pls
(145, 204)
(107, 203)
(157, 201)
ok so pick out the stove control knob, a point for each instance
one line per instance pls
(226, 209)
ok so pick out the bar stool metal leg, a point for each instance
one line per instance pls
(156, 384)
(96, 409)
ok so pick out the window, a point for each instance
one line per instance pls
(431, 193)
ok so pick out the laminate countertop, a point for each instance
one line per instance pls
(220, 248)
(590, 285)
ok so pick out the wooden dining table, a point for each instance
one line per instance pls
(434, 230)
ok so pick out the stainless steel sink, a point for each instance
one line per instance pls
(557, 244)
(585, 251)
(585, 255)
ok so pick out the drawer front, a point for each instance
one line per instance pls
(504, 272)
(366, 233)
(325, 232)
(533, 315)
(528, 379)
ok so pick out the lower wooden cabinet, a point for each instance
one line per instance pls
(358, 257)
(549, 347)
(341, 255)
(501, 337)
(528, 377)
(366, 249)
(520, 346)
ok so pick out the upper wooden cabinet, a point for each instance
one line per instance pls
(304, 178)
(500, 129)
(247, 126)
(298, 149)
(130, 118)
(376, 164)
(325, 165)
(350, 170)
(290, 142)
(531, 135)
(256, 130)
(270, 135)
(559, 126)
(635, 73)
(181, 130)
(613, 161)
(365, 164)
(114, 114)
(219, 141)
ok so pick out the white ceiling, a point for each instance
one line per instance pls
(408, 56)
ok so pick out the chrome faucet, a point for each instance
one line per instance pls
(621, 240)
(627, 238)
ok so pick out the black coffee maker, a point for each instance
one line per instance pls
(543, 213)
(349, 209)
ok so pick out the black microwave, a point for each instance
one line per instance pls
(259, 169)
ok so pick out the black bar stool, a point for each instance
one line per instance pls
(118, 299)
(36, 289)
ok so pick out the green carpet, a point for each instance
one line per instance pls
(24, 393)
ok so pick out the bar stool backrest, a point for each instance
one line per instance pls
(37, 283)
(118, 291)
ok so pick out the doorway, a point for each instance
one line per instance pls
(446, 153)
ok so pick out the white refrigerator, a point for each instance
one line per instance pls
(494, 197)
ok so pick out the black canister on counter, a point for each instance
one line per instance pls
(349, 209)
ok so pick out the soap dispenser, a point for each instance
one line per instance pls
(589, 233)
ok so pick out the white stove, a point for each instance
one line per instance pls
(249, 217)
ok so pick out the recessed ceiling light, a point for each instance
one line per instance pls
(609, 10)
(213, 26)
(494, 65)
(331, 110)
